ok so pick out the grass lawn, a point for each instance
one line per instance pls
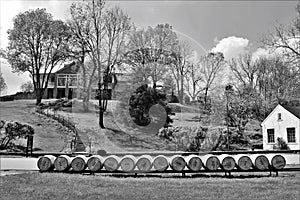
(49, 134)
(73, 186)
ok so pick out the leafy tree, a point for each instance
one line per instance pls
(37, 43)
(3, 85)
(243, 105)
(147, 53)
(27, 87)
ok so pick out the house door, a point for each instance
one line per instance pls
(70, 95)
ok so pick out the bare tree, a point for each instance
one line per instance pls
(101, 34)
(193, 80)
(245, 70)
(286, 39)
(211, 66)
(179, 65)
(117, 29)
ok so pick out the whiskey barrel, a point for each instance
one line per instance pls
(194, 163)
(112, 163)
(277, 162)
(160, 163)
(244, 162)
(261, 162)
(227, 162)
(144, 163)
(95, 163)
(79, 163)
(128, 163)
(212, 163)
(46, 163)
(177, 163)
(62, 163)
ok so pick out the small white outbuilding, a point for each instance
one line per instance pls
(283, 122)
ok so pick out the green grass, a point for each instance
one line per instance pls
(74, 186)
(49, 134)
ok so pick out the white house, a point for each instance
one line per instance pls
(283, 122)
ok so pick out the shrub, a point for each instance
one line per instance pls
(11, 131)
(185, 138)
(142, 100)
(281, 144)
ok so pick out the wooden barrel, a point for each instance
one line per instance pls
(194, 163)
(177, 163)
(277, 162)
(160, 163)
(46, 163)
(144, 163)
(212, 163)
(128, 163)
(95, 163)
(112, 163)
(62, 163)
(261, 162)
(227, 162)
(79, 163)
(244, 163)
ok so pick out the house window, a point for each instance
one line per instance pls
(279, 116)
(291, 135)
(61, 80)
(271, 135)
(72, 80)
(52, 79)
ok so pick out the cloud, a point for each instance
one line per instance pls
(260, 52)
(231, 46)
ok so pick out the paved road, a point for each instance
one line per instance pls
(18, 163)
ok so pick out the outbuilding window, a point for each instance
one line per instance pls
(291, 135)
(271, 135)
(279, 117)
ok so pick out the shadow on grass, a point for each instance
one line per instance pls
(187, 176)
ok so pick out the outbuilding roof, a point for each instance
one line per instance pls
(294, 110)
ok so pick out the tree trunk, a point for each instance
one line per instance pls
(101, 119)
(39, 95)
(205, 97)
(85, 104)
(85, 100)
(181, 90)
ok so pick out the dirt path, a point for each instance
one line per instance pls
(49, 134)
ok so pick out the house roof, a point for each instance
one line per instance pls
(294, 110)
(71, 68)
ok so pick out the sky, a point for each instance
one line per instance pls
(231, 27)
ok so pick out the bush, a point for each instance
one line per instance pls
(185, 138)
(281, 144)
(11, 131)
(142, 100)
